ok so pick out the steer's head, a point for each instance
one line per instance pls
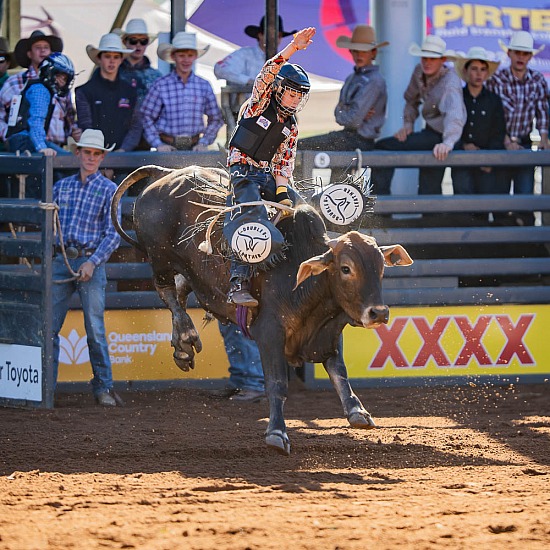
(355, 266)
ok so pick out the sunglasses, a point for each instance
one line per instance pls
(136, 41)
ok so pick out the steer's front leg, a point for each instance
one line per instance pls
(357, 415)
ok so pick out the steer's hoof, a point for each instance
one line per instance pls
(279, 442)
(361, 419)
(184, 362)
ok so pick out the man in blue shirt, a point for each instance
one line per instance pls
(89, 238)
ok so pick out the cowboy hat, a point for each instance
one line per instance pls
(135, 27)
(110, 42)
(521, 41)
(94, 139)
(433, 47)
(25, 44)
(253, 30)
(476, 53)
(5, 52)
(182, 41)
(363, 39)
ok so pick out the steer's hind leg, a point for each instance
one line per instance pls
(185, 338)
(357, 415)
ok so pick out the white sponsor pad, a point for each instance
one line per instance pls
(21, 372)
(341, 203)
(252, 242)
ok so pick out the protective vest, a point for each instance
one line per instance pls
(260, 136)
(18, 120)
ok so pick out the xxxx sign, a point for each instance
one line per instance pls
(452, 341)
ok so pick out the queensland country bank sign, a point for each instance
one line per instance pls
(433, 342)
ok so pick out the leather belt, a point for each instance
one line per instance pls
(181, 143)
(74, 252)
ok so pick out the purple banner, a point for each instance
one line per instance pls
(332, 18)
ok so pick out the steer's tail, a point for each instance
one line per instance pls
(143, 172)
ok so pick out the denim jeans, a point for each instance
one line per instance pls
(245, 365)
(92, 296)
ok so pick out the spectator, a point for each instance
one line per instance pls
(106, 102)
(524, 94)
(438, 89)
(262, 154)
(173, 111)
(485, 126)
(90, 238)
(7, 60)
(29, 53)
(361, 109)
(30, 119)
(243, 65)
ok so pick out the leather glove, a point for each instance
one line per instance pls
(281, 196)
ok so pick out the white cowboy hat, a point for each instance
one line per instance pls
(94, 139)
(521, 41)
(110, 42)
(134, 27)
(476, 53)
(363, 39)
(433, 46)
(182, 41)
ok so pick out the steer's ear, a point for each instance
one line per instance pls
(313, 266)
(395, 254)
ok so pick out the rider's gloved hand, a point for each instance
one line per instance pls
(281, 196)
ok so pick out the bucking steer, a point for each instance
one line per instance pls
(305, 301)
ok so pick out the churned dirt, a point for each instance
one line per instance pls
(450, 467)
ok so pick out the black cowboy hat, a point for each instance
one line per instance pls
(25, 44)
(5, 52)
(253, 31)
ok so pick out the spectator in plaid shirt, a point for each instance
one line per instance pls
(174, 109)
(90, 238)
(29, 53)
(524, 94)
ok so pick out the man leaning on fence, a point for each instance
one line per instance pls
(89, 239)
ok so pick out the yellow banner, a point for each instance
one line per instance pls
(451, 341)
(139, 347)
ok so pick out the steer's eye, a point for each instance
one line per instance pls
(345, 270)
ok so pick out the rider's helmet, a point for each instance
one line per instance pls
(57, 63)
(294, 78)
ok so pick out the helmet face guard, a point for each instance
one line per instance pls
(293, 81)
(55, 64)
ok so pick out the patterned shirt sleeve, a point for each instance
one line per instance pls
(39, 99)
(150, 111)
(413, 99)
(213, 115)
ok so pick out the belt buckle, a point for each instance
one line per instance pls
(71, 252)
(183, 142)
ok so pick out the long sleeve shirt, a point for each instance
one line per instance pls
(442, 103)
(485, 126)
(523, 101)
(62, 122)
(284, 158)
(241, 66)
(178, 109)
(110, 106)
(39, 99)
(85, 214)
(363, 90)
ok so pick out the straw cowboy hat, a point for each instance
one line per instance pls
(182, 41)
(253, 30)
(5, 52)
(363, 39)
(521, 41)
(135, 27)
(25, 44)
(110, 42)
(433, 46)
(475, 53)
(94, 139)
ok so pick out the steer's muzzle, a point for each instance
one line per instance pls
(375, 315)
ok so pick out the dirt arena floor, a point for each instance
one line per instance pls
(449, 467)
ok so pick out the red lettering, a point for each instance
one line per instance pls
(389, 348)
(515, 336)
(473, 345)
(431, 347)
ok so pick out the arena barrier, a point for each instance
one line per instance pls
(472, 306)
